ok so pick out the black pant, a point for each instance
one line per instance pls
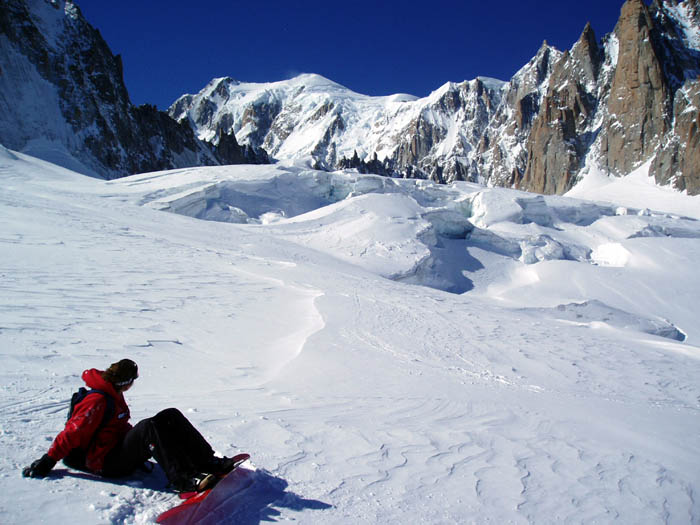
(168, 437)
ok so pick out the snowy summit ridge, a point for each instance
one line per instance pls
(561, 116)
(311, 116)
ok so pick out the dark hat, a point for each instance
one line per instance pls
(121, 373)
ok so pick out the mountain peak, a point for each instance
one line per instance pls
(635, 13)
(587, 35)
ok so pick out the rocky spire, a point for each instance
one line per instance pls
(638, 106)
(679, 157)
(557, 143)
(587, 52)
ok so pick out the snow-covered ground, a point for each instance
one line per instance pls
(312, 321)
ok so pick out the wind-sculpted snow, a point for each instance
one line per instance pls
(411, 230)
(557, 387)
(592, 312)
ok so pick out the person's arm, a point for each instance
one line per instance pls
(77, 433)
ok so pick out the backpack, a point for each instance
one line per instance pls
(76, 457)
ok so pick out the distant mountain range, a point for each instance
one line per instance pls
(608, 105)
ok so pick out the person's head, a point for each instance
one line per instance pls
(121, 374)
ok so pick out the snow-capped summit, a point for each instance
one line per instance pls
(310, 115)
(561, 116)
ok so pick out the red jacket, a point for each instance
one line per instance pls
(86, 417)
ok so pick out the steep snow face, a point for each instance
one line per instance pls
(227, 103)
(28, 101)
(561, 386)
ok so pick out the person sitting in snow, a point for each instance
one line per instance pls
(114, 448)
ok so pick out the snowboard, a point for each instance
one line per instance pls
(182, 513)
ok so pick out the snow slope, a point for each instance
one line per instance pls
(307, 322)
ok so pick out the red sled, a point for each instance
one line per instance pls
(191, 509)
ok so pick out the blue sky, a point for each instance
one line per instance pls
(377, 48)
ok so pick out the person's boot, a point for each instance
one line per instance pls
(198, 483)
(221, 466)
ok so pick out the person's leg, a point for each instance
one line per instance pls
(178, 434)
(132, 452)
(171, 439)
(192, 444)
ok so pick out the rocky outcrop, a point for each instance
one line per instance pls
(61, 84)
(557, 143)
(639, 115)
(613, 105)
(230, 152)
(373, 166)
(678, 160)
(678, 156)
(502, 158)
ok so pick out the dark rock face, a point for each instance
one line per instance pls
(557, 142)
(374, 166)
(503, 157)
(621, 109)
(48, 49)
(678, 160)
(638, 107)
(620, 104)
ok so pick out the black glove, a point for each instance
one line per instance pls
(40, 468)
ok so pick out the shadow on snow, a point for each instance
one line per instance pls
(153, 480)
(249, 497)
(244, 497)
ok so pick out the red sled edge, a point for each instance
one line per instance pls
(190, 498)
(198, 496)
